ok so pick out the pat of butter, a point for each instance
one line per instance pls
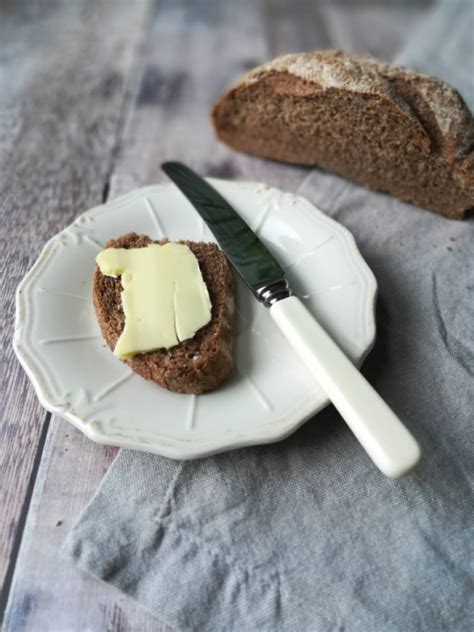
(164, 297)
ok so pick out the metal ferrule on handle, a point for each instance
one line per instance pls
(271, 293)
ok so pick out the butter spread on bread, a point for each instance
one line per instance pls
(164, 297)
(197, 364)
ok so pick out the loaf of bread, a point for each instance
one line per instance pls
(198, 364)
(383, 126)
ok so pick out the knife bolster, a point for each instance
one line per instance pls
(271, 293)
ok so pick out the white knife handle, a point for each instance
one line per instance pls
(385, 439)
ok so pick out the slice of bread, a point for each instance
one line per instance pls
(198, 364)
(384, 126)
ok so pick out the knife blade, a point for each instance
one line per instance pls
(250, 258)
(381, 433)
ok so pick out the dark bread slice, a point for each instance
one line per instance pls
(384, 126)
(196, 365)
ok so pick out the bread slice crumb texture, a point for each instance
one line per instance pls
(198, 364)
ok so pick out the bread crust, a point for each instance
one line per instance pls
(198, 364)
(384, 126)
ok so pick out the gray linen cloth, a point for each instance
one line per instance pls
(306, 534)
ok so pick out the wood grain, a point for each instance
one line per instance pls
(51, 595)
(194, 50)
(371, 27)
(60, 115)
(285, 34)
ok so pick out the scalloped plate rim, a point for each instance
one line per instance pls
(173, 447)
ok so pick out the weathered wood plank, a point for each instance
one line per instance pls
(295, 27)
(372, 27)
(194, 51)
(60, 112)
(48, 594)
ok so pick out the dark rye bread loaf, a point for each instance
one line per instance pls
(196, 365)
(384, 126)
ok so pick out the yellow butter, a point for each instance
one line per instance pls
(164, 297)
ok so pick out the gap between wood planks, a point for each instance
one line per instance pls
(5, 592)
(130, 92)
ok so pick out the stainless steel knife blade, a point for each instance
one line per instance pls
(251, 259)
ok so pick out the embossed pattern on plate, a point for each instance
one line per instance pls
(270, 394)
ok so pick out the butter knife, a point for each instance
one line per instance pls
(381, 433)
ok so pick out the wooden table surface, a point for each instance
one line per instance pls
(94, 94)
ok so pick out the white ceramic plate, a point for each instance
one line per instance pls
(270, 394)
